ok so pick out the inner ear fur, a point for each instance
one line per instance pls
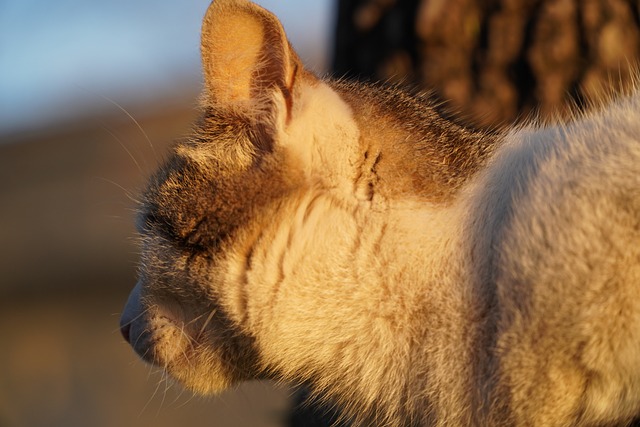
(246, 56)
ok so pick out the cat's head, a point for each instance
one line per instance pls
(270, 131)
(280, 176)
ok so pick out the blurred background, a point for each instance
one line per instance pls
(93, 92)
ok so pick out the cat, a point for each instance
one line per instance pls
(417, 272)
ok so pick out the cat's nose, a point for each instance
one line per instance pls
(132, 311)
(124, 329)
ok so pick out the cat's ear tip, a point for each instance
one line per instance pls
(216, 3)
(237, 5)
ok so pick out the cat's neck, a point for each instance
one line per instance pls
(413, 246)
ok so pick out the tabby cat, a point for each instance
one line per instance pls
(417, 272)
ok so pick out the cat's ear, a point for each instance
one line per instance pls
(246, 57)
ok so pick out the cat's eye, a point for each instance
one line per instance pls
(144, 221)
(149, 221)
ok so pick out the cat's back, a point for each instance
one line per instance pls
(559, 227)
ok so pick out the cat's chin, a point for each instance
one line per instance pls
(203, 379)
(193, 365)
(205, 354)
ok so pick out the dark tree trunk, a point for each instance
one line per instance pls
(495, 60)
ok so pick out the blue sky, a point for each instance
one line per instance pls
(57, 58)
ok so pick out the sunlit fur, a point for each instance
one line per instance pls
(415, 272)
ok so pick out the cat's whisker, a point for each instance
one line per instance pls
(192, 343)
(182, 405)
(125, 111)
(187, 359)
(130, 322)
(146, 331)
(190, 340)
(123, 206)
(178, 397)
(195, 319)
(206, 322)
(153, 370)
(126, 192)
(153, 395)
(165, 379)
(124, 147)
